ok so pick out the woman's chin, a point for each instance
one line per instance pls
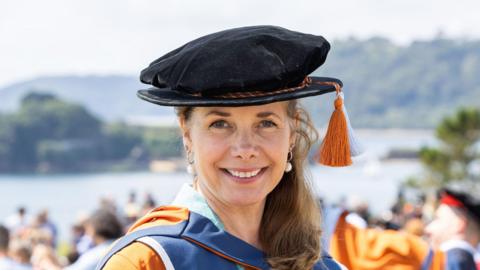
(244, 197)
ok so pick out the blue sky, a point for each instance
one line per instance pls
(55, 37)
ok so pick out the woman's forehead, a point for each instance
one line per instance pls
(278, 108)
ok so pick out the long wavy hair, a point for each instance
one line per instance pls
(290, 227)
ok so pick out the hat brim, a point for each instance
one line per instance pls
(168, 97)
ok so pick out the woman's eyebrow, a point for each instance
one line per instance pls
(267, 114)
(219, 113)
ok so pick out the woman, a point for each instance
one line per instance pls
(246, 140)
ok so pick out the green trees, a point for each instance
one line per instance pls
(457, 157)
(46, 131)
(47, 134)
(163, 142)
(6, 139)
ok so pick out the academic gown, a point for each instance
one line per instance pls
(187, 236)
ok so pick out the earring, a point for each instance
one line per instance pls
(190, 160)
(289, 166)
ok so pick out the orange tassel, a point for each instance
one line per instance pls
(335, 148)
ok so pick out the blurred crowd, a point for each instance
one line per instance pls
(406, 214)
(31, 243)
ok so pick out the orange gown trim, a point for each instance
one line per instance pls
(138, 256)
(371, 249)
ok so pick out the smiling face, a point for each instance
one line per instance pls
(240, 153)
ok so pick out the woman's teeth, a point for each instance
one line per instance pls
(244, 174)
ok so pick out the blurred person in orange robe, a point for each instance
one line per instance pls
(455, 228)
(373, 249)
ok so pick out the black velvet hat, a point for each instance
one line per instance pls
(239, 67)
(462, 200)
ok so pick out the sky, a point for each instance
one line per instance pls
(88, 37)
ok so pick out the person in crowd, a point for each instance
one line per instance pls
(104, 227)
(455, 228)
(131, 209)
(149, 203)
(42, 222)
(108, 203)
(21, 252)
(247, 141)
(37, 236)
(373, 249)
(82, 242)
(45, 258)
(77, 232)
(6, 262)
(18, 222)
(359, 214)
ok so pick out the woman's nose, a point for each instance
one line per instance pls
(244, 146)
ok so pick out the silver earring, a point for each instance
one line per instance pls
(289, 166)
(190, 160)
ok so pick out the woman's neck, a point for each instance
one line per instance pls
(240, 221)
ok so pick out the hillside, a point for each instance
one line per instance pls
(386, 85)
(108, 97)
(413, 86)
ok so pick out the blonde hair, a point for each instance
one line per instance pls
(290, 226)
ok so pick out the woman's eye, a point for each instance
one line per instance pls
(220, 124)
(267, 124)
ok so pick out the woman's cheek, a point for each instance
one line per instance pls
(211, 147)
(207, 138)
(275, 139)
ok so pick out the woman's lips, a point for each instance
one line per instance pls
(244, 175)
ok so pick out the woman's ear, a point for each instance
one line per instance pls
(184, 129)
(295, 125)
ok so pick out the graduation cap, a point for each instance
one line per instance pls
(251, 66)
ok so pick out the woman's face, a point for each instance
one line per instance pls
(240, 153)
